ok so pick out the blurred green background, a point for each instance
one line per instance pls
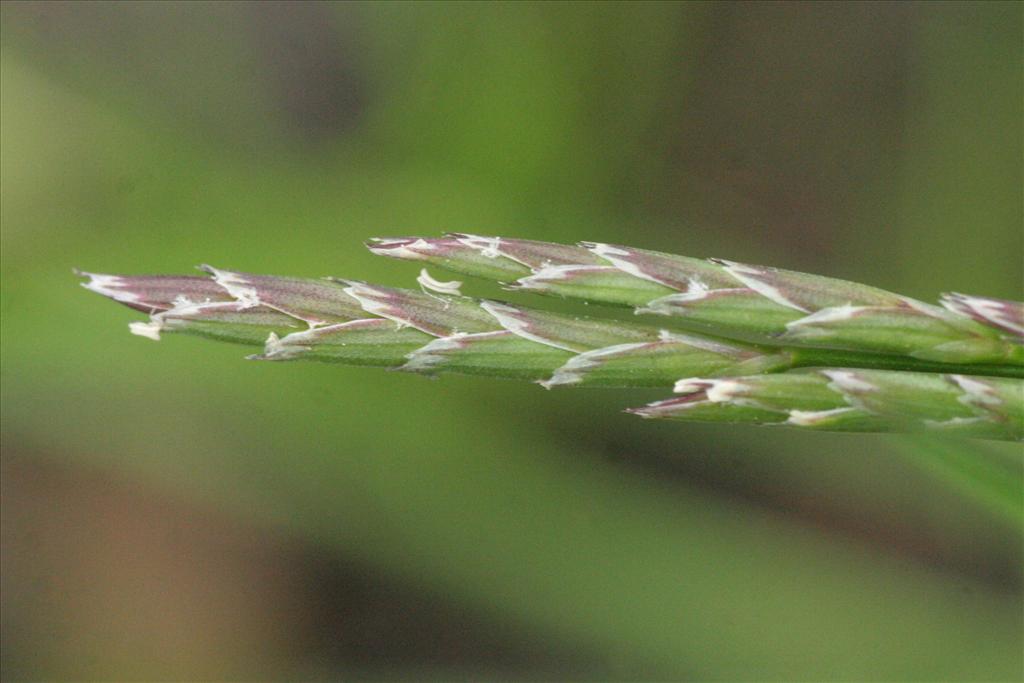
(172, 512)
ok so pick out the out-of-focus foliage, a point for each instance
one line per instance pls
(874, 142)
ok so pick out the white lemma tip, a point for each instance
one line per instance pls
(976, 391)
(489, 247)
(846, 380)
(542, 276)
(219, 275)
(421, 361)
(427, 282)
(235, 284)
(695, 291)
(277, 348)
(150, 330)
(827, 315)
(715, 390)
(512, 319)
(671, 337)
(497, 309)
(656, 307)
(660, 409)
(690, 385)
(570, 373)
(559, 379)
(810, 418)
(750, 276)
(724, 390)
(677, 304)
(577, 366)
(107, 285)
(507, 316)
(930, 310)
(400, 248)
(619, 258)
(365, 294)
(999, 313)
(98, 280)
(601, 249)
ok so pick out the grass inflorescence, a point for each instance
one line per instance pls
(746, 344)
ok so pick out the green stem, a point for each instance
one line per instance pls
(805, 358)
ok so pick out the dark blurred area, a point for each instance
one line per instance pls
(173, 513)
